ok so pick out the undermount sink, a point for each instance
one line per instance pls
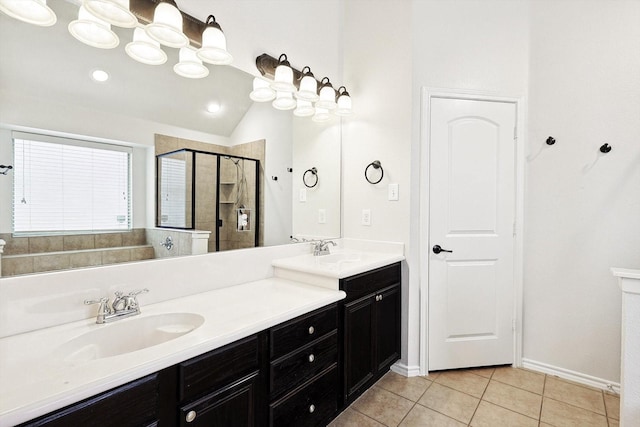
(126, 336)
(338, 258)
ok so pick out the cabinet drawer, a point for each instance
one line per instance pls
(134, 404)
(371, 281)
(301, 331)
(309, 406)
(218, 367)
(296, 368)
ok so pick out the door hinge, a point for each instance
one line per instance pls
(514, 229)
(513, 325)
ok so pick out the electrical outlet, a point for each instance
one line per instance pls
(303, 195)
(366, 216)
(393, 192)
(322, 216)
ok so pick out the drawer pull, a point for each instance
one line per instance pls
(312, 408)
(191, 415)
(311, 330)
(311, 358)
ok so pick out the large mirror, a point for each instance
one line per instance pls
(46, 87)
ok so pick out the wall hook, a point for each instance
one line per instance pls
(4, 169)
(551, 140)
(605, 148)
(314, 173)
(376, 165)
(275, 178)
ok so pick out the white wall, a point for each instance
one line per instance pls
(262, 121)
(582, 207)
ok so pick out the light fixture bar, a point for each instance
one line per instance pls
(267, 65)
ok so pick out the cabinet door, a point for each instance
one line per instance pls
(231, 406)
(359, 358)
(387, 327)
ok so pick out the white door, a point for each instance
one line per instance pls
(472, 213)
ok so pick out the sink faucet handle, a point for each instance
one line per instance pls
(103, 309)
(103, 300)
(138, 292)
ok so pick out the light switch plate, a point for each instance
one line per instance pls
(366, 216)
(393, 192)
(303, 195)
(322, 216)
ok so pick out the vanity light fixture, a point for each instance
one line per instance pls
(190, 65)
(344, 102)
(327, 95)
(166, 27)
(115, 12)
(145, 49)
(214, 44)
(283, 79)
(34, 12)
(93, 31)
(308, 86)
(321, 115)
(262, 92)
(284, 101)
(304, 108)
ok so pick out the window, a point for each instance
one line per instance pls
(62, 185)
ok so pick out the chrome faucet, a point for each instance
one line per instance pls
(122, 306)
(321, 247)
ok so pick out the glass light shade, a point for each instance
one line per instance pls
(144, 49)
(344, 105)
(284, 101)
(115, 12)
(34, 12)
(166, 27)
(214, 47)
(261, 91)
(190, 65)
(308, 89)
(321, 115)
(327, 98)
(93, 31)
(304, 108)
(283, 80)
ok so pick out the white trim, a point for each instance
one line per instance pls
(407, 371)
(424, 196)
(574, 376)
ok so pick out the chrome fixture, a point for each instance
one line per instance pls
(122, 306)
(155, 23)
(290, 89)
(321, 247)
(168, 243)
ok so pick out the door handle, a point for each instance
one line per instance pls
(437, 249)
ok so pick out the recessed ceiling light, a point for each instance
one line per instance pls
(99, 75)
(213, 108)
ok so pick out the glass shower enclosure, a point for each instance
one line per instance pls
(198, 190)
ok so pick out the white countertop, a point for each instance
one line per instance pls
(33, 381)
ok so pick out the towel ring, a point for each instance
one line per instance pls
(376, 165)
(314, 172)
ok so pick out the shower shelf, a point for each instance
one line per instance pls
(227, 183)
(227, 202)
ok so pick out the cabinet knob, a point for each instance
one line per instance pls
(311, 330)
(191, 415)
(312, 408)
(311, 358)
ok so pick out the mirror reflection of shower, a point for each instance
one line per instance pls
(212, 192)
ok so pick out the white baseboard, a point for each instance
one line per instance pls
(407, 371)
(571, 375)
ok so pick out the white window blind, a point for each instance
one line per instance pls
(63, 185)
(173, 192)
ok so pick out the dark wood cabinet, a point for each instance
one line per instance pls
(370, 326)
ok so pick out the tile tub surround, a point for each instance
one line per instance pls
(34, 381)
(492, 397)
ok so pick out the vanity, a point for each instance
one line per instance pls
(271, 352)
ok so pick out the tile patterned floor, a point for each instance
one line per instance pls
(491, 397)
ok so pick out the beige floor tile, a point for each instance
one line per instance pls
(582, 397)
(464, 381)
(562, 414)
(383, 406)
(612, 403)
(411, 388)
(351, 418)
(521, 378)
(613, 423)
(483, 372)
(420, 416)
(489, 415)
(452, 403)
(513, 398)
(432, 375)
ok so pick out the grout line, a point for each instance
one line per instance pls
(544, 385)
